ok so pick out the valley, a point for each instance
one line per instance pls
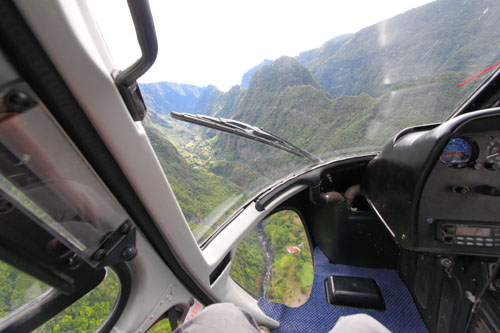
(347, 97)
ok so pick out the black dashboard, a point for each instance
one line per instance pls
(437, 187)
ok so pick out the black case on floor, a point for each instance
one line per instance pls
(354, 292)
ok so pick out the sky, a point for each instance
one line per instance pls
(215, 42)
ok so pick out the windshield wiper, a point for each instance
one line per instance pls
(244, 130)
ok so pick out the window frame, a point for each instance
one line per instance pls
(23, 245)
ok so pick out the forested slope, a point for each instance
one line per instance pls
(347, 97)
(85, 315)
(442, 36)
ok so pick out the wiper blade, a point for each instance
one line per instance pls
(244, 130)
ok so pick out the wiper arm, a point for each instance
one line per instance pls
(244, 130)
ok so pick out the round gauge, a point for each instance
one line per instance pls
(493, 154)
(457, 151)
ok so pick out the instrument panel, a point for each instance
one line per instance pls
(461, 198)
(462, 152)
(437, 187)
(468, 234)
(458, 152)
(493, 154)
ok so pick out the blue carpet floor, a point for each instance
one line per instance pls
(316, 315)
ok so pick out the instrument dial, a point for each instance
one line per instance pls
(458, 151)
(493, 154)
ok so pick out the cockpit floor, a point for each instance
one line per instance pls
(316, 315)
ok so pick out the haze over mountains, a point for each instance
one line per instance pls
(168, 96)
(418, 44)
(350, 95)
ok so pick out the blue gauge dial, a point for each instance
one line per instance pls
(457, 151)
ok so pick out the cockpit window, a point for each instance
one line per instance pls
(369, 79)
(56, 216)
(90, 311)
(17, 289)
(211, 188)
(85, 315)
(120, 39)
(42, 172)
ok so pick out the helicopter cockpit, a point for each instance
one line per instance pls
(120, 211)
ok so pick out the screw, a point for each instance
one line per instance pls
(496, 283)
(99, 255)
(129, 253)
(70, 261)
(125, 228)
(445, 262)
(5, 206)
(18, 101)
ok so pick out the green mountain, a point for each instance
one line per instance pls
(197, 190)
(245, 79)
(285, 99)
(359, 90)
(223, 104)
(165, 97)
(445, 35)
(347, 97)
(312, 58)
(265, 88)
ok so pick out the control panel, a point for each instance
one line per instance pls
(459, 209)
(468, 234)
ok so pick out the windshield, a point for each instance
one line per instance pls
(337, 81)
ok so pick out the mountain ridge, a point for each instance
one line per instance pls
(165, 97)
(415, 45)
(245, 79)
(345, 98)
(433, 38)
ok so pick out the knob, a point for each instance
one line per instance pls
(491, 190)
(461, 189)
(491, 166)
(449, 229)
